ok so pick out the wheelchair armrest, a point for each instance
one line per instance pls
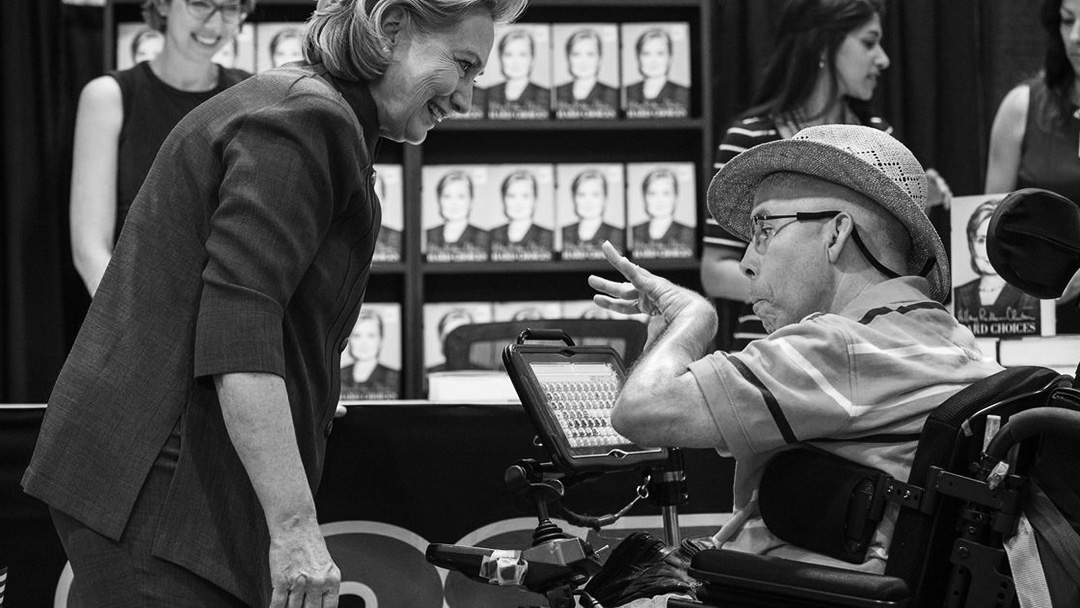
(736, 578)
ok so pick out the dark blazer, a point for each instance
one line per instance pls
(606, 232)
(601, 95)
(473, 238)
(383, 383)
(232, 260)
(537, 237)
(676, 234)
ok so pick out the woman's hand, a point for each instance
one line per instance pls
(301, 570)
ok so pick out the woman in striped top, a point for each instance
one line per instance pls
(824, 70)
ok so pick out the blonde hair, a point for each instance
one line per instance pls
(347, 36)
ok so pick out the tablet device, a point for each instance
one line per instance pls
(569, 392)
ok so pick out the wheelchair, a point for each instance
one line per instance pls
(975, 522)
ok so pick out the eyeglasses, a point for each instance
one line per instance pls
(203, 10)
(761, 232)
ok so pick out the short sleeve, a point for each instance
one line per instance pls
(794, 386)
(283, 178)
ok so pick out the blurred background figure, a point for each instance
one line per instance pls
(123, 118)
(1033, 142)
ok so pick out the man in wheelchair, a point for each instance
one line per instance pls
(848, 275)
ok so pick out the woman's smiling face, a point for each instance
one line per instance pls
(430, 76)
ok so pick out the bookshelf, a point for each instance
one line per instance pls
(414, 282)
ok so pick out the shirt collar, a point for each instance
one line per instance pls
(902, 290)
(358, 96)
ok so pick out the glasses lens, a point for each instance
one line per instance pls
(200, 9)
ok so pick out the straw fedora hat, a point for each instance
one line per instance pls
(865, 159)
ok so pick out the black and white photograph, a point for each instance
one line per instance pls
(371, 365)
(981, 298)
(661, 210)
(526, 232)
(585, 68)
(656, 77)
(591, 209)
(458, 209)
(517, 79)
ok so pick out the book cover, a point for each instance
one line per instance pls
(136, 42)
(982, 300)
(517, 79)
(526, 310)
(524, 225)
(590, 207)
(241, 53)
(455, 210)
(440, 318)
(656, 70)
(661, 210)
(390, 190)
(371, 365)
(278, 43)
(585, 70)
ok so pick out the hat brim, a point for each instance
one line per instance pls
(731, 197)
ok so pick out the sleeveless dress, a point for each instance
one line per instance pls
(151, 110)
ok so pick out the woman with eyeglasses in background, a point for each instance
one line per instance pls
(124, 116)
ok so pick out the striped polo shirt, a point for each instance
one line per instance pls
(858, 383)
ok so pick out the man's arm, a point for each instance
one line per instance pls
(259, 421)
(661, 403)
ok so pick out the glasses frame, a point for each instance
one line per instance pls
(760, 240)
(241, 12)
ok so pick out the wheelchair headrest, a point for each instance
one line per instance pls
(1033, 241)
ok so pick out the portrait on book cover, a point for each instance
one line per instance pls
(656, 70)
(389, 187)
(585, 67)
(661, 208)
(590, 208)
(517, 79)
(982, 300)
(371, 364)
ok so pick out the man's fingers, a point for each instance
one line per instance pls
(280, 596)
(623, 290)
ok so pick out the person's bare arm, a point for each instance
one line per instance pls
(92, 211)
(1006, 137)
(257, 415)
(661, 403)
